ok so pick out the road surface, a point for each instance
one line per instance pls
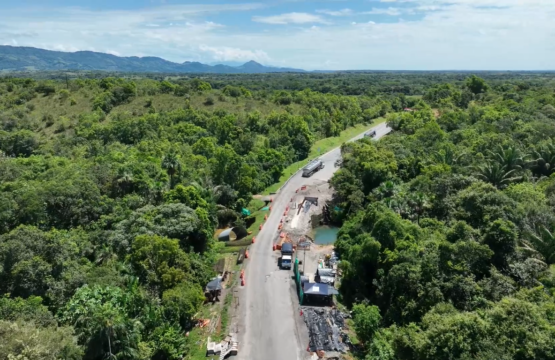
(269, 322)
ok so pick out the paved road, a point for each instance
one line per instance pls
(269, 326)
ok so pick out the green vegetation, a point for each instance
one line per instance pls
(321, 147)
(447, 241)
(111, 189)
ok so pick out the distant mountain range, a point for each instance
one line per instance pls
(13, 58)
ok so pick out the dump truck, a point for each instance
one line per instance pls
(286, 262)
(312, 167)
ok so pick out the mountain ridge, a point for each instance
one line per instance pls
(19, 58)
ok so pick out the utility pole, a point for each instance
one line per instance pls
(304, 260)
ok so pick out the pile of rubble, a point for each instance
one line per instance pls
(325, 329)
(229, 346)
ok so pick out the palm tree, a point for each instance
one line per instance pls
(510, 158)
(496, 174)
(418, 203)
(447, 156)
(156, 191)
(543, 241)
(544, 159)
(386, 189)
(125, 181)
(171, 164)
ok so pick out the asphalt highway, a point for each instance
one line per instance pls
(269, 328)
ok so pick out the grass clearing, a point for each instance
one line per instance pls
(324, 146)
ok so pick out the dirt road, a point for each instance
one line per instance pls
(269, 326)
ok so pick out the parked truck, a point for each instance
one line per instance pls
(286, 262)
(312, 167)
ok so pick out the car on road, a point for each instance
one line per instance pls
(371, 133)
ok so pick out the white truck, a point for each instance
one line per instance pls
(286, 262)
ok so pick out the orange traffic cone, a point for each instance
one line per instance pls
(284, 213)
(246, 254)
(271, 200)
(297, 190)
(243, 275)
(281, 221)
(260, 227)
(308, 348)
(301, 312)
(265, 217)
(243, 282)
(270, 208)
(274, 247)
(253, 239)
(287, 208)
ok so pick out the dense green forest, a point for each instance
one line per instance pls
(110, 191)
(448, 241)
(111, 188)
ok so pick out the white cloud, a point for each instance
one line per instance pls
(290, 18)
(447, 34)
(379, 11)
(343, 12)
(235, 54)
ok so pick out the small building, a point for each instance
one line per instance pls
(315, 293)
(213, 290)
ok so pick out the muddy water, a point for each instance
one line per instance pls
(325, 235)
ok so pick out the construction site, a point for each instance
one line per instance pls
(316, 267)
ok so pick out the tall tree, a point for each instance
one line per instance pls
(172, 165)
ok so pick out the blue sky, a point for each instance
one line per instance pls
(327, 35)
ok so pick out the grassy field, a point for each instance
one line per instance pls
(324, 145)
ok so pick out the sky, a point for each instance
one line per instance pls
(323, 35)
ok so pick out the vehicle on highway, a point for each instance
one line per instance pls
(312, 167)
(286, 262)
(371, 133)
